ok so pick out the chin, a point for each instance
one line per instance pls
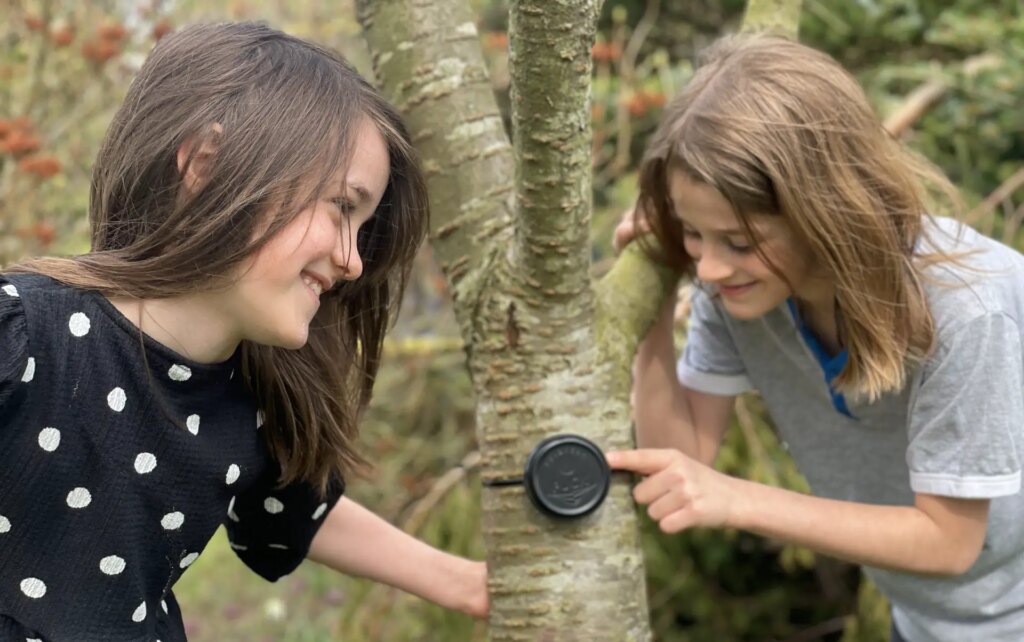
(287, 340)
(295, 342)
(745, 312)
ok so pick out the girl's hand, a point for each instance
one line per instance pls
(678, 491)
(477, 602)
(628, 228)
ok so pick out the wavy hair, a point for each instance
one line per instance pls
(287, 111)
(780, 129)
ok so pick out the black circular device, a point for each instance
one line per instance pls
(566, 476)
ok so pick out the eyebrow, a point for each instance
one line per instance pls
(361, 192)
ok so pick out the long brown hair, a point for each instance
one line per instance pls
(781, 129)
(280, 113)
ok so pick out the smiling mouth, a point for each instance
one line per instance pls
(734, 289)
(313, 284)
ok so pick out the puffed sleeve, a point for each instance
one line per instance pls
(270, 528)
(967, 414)
(16, 365)
(710, 362)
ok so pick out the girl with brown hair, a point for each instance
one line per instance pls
(886, 344)
(255, 208)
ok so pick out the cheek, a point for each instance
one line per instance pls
(782, 260)
(692, 247)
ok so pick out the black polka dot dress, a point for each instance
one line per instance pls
(116, 469)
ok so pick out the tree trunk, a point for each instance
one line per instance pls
(778, 16)
(549, 351)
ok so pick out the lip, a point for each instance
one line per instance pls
(735, 290)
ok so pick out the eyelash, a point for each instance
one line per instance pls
(344, 205)
(738, 249)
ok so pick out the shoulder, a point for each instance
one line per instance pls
(15, 364)
(982, 279)
(32, 288)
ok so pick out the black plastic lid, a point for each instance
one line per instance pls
(566, 476)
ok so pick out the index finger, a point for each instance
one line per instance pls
(645, 461)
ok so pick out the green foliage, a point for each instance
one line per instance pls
(975, 133)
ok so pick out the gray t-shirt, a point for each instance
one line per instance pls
(956, 430)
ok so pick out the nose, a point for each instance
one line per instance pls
(346, 254)
(711, 268)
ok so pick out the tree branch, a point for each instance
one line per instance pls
(926, 95)
(428, 62)
(550, 66)
(629, 297)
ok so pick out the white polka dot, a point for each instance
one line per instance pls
(231, 510)
(5, 524)
(260, 417)
(33, 587)
(232, 375)
(140, 613)
(192, 423)
(188, 559)
(278, 546)
(49, 439)
(11, 290)
(319, 510)
(238, 547)
(145, 463)
(233, 473)
(273, 505)
(172, 521)
(112, 565)
(79, 324)
(30, 370)
(116, 399)
(179, 373)
(33, 640)
(79, 498)
(163, 605)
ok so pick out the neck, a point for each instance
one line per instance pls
(817, 305)
(190, 325)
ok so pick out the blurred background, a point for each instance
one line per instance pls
(946, 75)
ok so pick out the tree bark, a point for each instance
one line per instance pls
(549, 351)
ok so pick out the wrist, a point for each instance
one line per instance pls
(742, 503)
(471, 597)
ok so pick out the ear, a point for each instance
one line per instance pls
(194, 164)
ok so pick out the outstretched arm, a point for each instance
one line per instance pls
(937, 535)
(355, 541)
(667, 414)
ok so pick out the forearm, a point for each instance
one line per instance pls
(661, 414)
(355, 541)
(900, 538)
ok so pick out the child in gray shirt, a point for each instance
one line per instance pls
(886, 344)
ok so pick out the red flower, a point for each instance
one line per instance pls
(41, 166)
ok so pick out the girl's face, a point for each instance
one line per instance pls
(278, 289)
(726, 260)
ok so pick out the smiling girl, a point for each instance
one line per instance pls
(255, 209)
(886, 344)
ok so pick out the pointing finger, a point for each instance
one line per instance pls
(645, 461)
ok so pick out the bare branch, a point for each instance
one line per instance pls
(1001, 193)
(919, 101)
